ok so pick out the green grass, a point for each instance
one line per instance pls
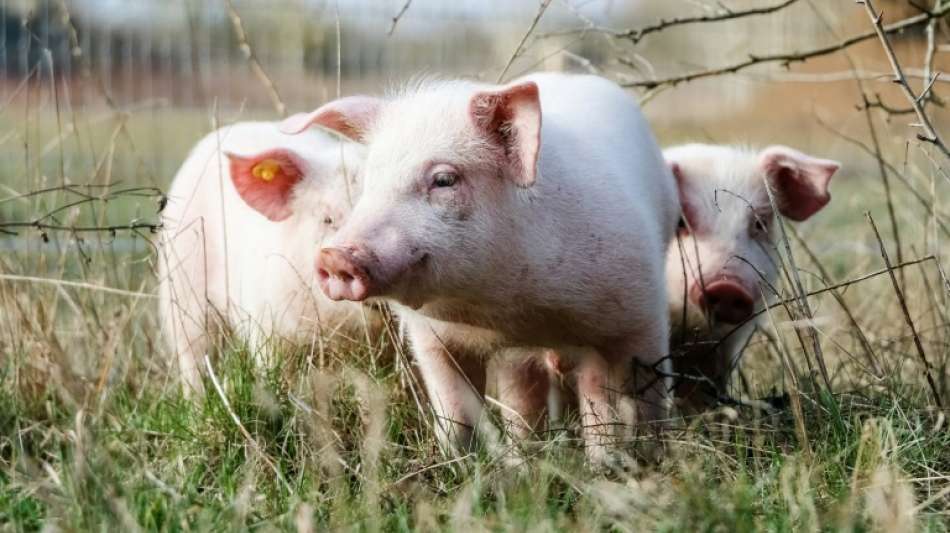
(148, 456)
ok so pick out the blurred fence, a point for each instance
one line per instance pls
(188, 52)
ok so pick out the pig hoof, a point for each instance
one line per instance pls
(607, 460)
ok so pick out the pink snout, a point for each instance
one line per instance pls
(725, 299)
(341, 276)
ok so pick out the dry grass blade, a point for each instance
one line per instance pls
(910, 321)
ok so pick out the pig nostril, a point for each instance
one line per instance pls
(345, 276)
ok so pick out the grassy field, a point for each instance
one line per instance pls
(95, 434)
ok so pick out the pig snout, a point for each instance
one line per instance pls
(342, 276)
(725, 299)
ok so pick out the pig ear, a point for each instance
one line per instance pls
(799, 180)
(511, 116)
(687, 204)
(265, 181)
(351, 117)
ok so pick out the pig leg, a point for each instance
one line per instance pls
(600, 383)
(455, 382)
(522, 384)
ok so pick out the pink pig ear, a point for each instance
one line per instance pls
(266, 181)
(687, 204)
(511, 117)
(799, 180)
(351, 117)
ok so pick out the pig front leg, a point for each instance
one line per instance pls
(455, 382)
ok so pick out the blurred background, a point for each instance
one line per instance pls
(169, 68)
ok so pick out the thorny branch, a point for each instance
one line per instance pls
(788, 58)
(47, 222)
(930, 133)
(635, 35)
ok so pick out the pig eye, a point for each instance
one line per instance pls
(444, 179)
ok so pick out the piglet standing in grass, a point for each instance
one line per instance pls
(246, 213)
(533, 214)
(723, 265)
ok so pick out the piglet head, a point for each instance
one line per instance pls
(723, 255)
(442, 161)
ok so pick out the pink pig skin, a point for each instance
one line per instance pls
(245, 260)
(535, 214)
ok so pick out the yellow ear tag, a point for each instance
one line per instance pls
(266, 170)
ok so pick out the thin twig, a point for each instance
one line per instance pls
(402, 11)
(252, 60)
(907, 317)
(930, 133)
(635, 35)
(534, 23)
(77, 285)
(787, 58)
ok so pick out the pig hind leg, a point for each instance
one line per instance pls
(522, 388)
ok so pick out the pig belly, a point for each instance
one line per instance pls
(530, 326)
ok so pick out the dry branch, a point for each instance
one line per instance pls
(788, 58)
(534, 24)
(402, 11)
(930, 134)
(635, 35)
(252, 60)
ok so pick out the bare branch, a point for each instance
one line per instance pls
(534, 23)
(787, 58)
(252, 60)
(402, 11)
(930, 133)
(635, 35)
